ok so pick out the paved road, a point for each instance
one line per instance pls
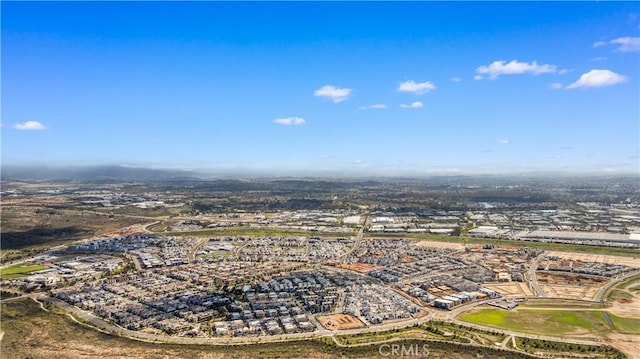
(601, 291)
(533, 280)
(450, 316)
(193, 251)
(106, 327)
(358, 241)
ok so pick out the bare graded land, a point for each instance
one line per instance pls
(569, 285)
(621, 300)
(633, 261)
(340, 321)
(358, 267)
(435, 244)
(513, 289)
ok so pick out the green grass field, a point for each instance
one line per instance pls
(20, 270)
(626, 325)
(628, 282)
(540, 321)
(616, 294)
(570, 304)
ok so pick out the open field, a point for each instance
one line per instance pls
(564, 323)
(358, 267)
(618, 295)
(629, 282)
(340, 321)
(621, 300)
(20, 270)
(453, 332)
(562, 349)
(563, 319)
(29, 332)
(626, 325)
(543, 303)
(513, 289)
(437, 244)
(569, 285)
(564, 278)
(255, 231)
(601, 258)
(33, 224)
(556, 247)
(570, 291)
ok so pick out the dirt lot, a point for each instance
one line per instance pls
(570, 285)
(407, 259)
(340, 321)
(436, 244)
(569, 291)
(627, 307)
(513, 289)
(358, 267)
(601, 258)
(570, 279)
(625, 342)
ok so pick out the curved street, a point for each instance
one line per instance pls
(102, 325)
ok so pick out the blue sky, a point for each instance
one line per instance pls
(354, 88)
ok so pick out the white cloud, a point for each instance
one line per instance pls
(29, 126)
(598, 78)
(556, 85)
(599, 58)
(334, 93)
(378, 106)
(497, 68)
(358, 162)
(290, 121)
(416, 104)
(623, 44)
(627, 44)
(478, 77)
(456, 79)
(503, 142)
(416, 87)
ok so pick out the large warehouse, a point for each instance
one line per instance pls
(592, 238)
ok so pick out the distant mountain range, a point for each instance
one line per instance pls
(93, 173)
(119, 173)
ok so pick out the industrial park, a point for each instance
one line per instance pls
(195, 272)
(320, 180)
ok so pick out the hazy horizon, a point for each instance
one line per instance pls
(90, 172)
(323, 89)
